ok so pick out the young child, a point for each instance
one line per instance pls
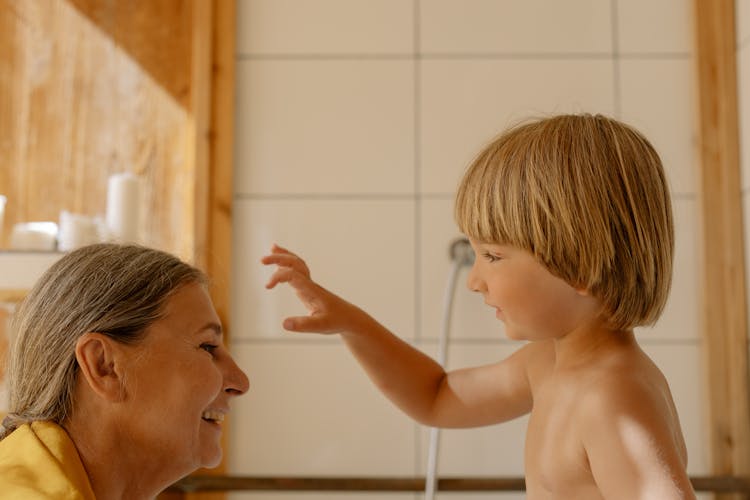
(571, 223)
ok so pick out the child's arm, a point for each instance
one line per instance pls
(631, 446)
(410, 379)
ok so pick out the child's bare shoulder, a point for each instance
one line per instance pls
(622, 380)
(627, 419)
(629, 392)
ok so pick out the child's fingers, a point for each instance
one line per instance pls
(286, 260)
(278, 258)
(283, 275)
(312, 323)
(276, 248)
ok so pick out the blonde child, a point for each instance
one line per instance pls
(571, 224)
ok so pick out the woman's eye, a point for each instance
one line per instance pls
(209, 348)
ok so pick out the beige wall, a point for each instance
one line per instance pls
(355, 119)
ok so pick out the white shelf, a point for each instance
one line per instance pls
(20, 270)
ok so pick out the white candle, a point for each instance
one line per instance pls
(123, 208)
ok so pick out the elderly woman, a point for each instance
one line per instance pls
(119, 380)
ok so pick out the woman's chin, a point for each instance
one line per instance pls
(212, 461)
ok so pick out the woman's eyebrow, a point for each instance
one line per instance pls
(213, 327)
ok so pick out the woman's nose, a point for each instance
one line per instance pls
(235, 380)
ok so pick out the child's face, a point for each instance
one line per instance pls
(532, 302)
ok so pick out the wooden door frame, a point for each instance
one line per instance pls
(724, 325)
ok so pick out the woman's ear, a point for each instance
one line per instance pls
(97, 358)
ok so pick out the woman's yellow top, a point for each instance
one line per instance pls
(39, 461)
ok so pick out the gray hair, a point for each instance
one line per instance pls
(117, 290)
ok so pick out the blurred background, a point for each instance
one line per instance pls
(340, 129)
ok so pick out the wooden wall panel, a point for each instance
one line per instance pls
(78, 106)
(89, 88)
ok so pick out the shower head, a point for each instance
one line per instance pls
(461, 252)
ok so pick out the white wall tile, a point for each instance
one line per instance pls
(743, 95)
(272, 27)
(470, 495)
(465, 103)
(311, 410)
(362, 250)
(333, 495)
(329, 495)
(683, 368)
(746, 224)
(470, 317)
(310, 126)
(496, 450)
(647, 27)
(743, 22)
(325, 126)
(681, 317)
(515, 26)
(658, 99)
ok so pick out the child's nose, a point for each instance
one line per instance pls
(472, 281)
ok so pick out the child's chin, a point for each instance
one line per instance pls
(515, 334)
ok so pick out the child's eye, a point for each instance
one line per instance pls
(209, 348)
(490, 257)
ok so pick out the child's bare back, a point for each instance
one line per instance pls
(614, 410)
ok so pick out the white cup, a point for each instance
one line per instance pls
(3, 200)
(76, 230)
(35, 236)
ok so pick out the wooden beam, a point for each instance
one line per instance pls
(200, 117)
(724, 315)
(213, 84)
(221, 142)
(722, 484)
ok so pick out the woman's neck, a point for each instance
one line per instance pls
(114, 470)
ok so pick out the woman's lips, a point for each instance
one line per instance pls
(213, 416)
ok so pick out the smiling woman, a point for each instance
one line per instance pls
(118, 377)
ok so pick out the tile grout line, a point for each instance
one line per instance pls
(456, 342)
(468, 56)
(325, 196)
(616, 88)
(417, 205)
(375, 196)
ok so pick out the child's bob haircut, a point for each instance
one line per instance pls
(587, 196)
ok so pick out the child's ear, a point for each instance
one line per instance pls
(98, 360)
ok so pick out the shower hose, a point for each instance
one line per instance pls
(461, 255)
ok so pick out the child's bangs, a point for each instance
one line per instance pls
(488, 207)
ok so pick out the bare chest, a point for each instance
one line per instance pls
(555, 460)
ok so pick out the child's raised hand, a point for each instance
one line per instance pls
(328, 312)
